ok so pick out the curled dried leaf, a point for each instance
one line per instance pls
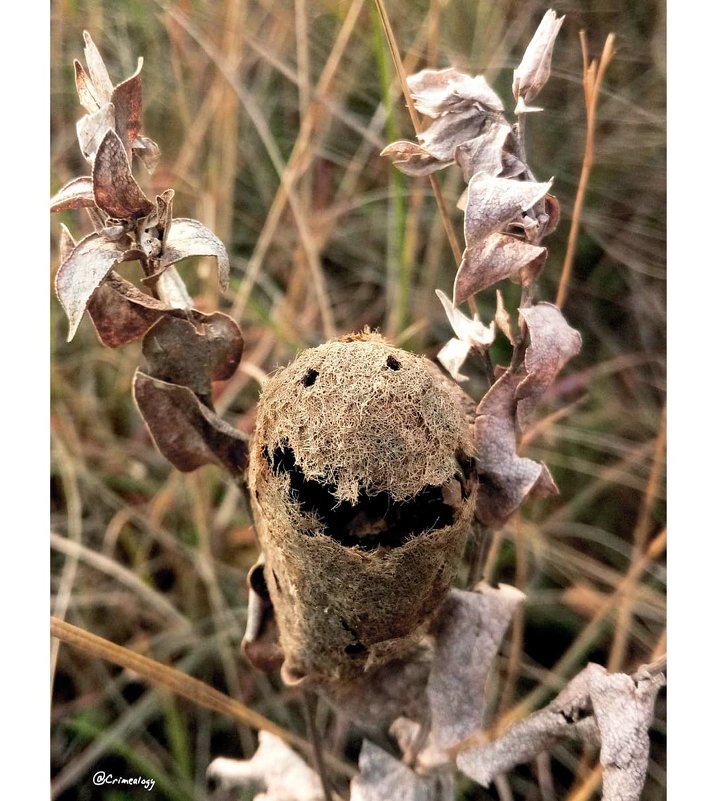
(533, 72)
(452, 356)
(191, 238)
(81, 273)
(127, 101)
(484, 153)
(97, 71)
(260, 642)
(194, 353)
(148, 151)
(411, 159)
(121, 313)
(553, 342)
(502, 318)
(186, 431)
(444, 135)
(66, 243)
(85, 89)
(494, 202)
(506, 479)
(468, 330)
(92, 128)
(497, 257)
(436, 92)
(77, 194)
(115, 190)
(274, 768)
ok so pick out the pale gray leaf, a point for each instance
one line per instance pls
(437, 91)
(484, 153)
(77, 194)
(92, 128)
(274, 768)
(148, 151)
(494, 202)
(115, 190)
(450, 130)
(493, 259)
(97, 71)
(81, 273)
(412, 159)
(191, 238)
(553, 342)
(85, 89)
(67, 243)
(533, 71)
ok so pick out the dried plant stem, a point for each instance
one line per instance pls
(621, 635)
(401, 72)
(179, 683)
(592, 80)
(310, 706)
(590, 785)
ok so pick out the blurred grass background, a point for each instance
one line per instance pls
(266, 103)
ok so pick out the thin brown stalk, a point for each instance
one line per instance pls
(401, 72)
(592, 80)
(179, 683)
(310, 706)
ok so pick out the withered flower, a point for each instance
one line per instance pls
(533, 71)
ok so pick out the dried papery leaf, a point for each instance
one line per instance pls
(171, 289)
(383, 778)
(260, 643)
(194, 353)
(148, 151)
(553, 342)
(452, 129)
(533, 71)
(498, 257)
(468, 632)
(505, 479)
(126, 98)
(502, 318)
(595, 707)
(85, 89)
(81, 273)
(452, 356)
(484, 153)
(66, 243)
(495, 202)
(466, 329)
(186, 431)
(437, 91)
(191, 238)
(92, 128)
(121, 313)
(164, 213)
(97, 71)
(77, 194)
(274, 768)
(552, 210)
(115, 190)
(411, 159)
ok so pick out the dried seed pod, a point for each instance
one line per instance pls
(362, 481)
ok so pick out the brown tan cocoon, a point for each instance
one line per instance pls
(362, 481)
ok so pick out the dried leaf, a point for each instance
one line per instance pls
(85, 89)
(121, 313)
(452, 356)
(66, 243)
(92, 128)
(76, 194)
(383, 778)
(411, 159)
(498, 257)
(495, 202)
(533, 72)
(450, 130)
(172, 290)
(164, 213)
(260, 642)
(194, 353)
(484, 153)
(468, 632)
(186, 431)
(552, 210)
(126, 98)
(553, 342)
(115, 190)
(436, 92)
(148, 151)
(81, 273)
(505, 479)
(467, 330)
(274, 768)
(97, 71)
(191, 238)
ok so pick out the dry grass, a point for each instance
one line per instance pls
(271, 115)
